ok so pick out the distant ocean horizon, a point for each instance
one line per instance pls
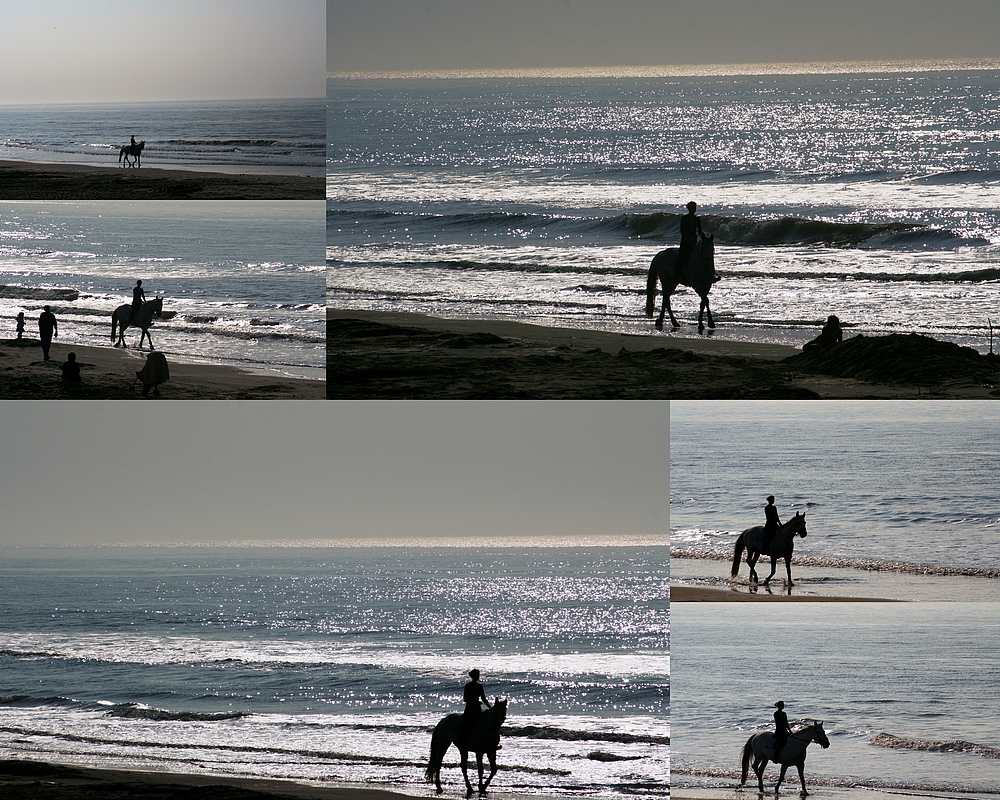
(280, 136)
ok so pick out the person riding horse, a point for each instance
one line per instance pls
(771, 523)
(781, 729)
(473, 695)
(691, 233)
(138, 298)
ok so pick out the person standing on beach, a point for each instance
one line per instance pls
(47, 328)
(781, 728)
(20, 324)
(138, 298)
(771, 523)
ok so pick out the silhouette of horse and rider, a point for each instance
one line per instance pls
(691, 264)
(474, 731)
(786, 746)
(134, 150)
(138, 314)
(773, 538)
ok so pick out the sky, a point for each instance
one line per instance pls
(401, 35)
(86, 51)
(189, 471)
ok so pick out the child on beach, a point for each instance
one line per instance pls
(20, 324)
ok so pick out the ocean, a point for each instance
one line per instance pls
(908, 488)
(909, 696)
(866, 194)
(238, 136)
(332, 665)
(242, 282)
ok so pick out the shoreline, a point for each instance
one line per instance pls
(405, 355)
(700, 579)
(31, 779)
(36, 180)
(108, 374)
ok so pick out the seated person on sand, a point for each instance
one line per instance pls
(71, 369)
(830, 335)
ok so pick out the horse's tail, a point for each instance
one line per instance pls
(121, 153)
(439, 746)
(745, 755)
(737, 557)
(651, 288)
(114, 322)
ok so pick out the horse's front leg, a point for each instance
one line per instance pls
(493, 770)
(708, 312)
(465, 773)
(781, 777)
(788, 569)
(479, 766)
(802, 778)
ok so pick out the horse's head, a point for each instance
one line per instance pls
(157, 306)
(819, 734)
(501, 708)
(800, 526)
(708, 251)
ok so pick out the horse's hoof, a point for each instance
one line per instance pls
(659, 324)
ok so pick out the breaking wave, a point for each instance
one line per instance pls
(901, 743)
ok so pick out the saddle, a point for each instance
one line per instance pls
(767, 747)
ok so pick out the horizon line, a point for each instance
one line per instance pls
(682, 70)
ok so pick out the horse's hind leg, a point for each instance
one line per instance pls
(670, 311)
(774, 568)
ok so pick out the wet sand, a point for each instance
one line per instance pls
(109, 374)
(707, 580)
(35, 780)
(392, 355)
(28, 180)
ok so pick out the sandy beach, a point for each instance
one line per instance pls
(27, 180)
(707, 580)
(109, 373)
(405, 355)
(36, 780)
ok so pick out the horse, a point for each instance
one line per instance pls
(122, 319)
(781, 546)
(484, 738)
(698, 273)
(134, 150)
(760, 747)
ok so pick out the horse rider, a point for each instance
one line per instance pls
(473, 694)
(138, 298)
(781, 728)
(771, 523)
(133, 142)
(691, 234)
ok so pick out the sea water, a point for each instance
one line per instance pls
(334, 664)
(242, 282)
(902, 486)
(909, 696)
(239, 136)
(870, 195)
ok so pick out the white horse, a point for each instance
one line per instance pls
(134, 150)
(760, 747)
(122, 319)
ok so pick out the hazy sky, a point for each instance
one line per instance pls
(191, 471)
(78, 51)
(381, 35)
